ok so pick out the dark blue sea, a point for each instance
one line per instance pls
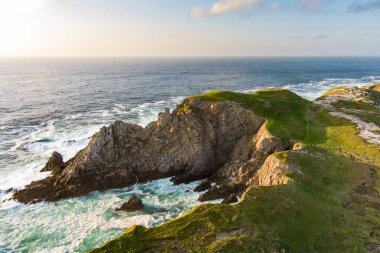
(51, 105)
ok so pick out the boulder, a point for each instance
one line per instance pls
(204, 185)
(55, 163)
(219, 192)
(10, 190)
(230, 199)
(134, 204)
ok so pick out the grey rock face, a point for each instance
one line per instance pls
(193, 142)
(230, 199)
(55, 163)
(164, 119)
(235, 176)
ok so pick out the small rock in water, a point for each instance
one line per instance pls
(133, 204)
(10, 190)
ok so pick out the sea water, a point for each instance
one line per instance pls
(51, 105)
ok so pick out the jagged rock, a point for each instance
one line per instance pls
(134, 204)
(220, 192)
(265, 144)
(234, 177)
(273, 172)
(230, 199)
(375, 87)
(367, 95)
(36, 191)
(164, 118)
(10, 190)
(189, 144)
(55, 163)
(204, 185)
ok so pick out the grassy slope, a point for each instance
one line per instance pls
(320, 212)
(366, 112)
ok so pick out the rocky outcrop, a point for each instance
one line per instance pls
(374, 87)
(366, 95)
(55, 164)
(234, 177)
(134, 204)
(274, 172)
(230, 199)
(367, 102)
(196, 140)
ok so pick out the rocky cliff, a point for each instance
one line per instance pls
(200, 139)
(306, 172)
(312, 171)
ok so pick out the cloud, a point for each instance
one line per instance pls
(276, 6)
(221, 7)
(197, 11)
(310, 5)
(225, 6)
(357, 6)
(320, 37)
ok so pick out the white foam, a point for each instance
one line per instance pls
(67, 139)
(64, 226)
(44, 131)
(75, 116)
(314, 89)
(105, 113)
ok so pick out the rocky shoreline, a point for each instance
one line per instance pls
(312, 175)
(322, 157)
(220, 142)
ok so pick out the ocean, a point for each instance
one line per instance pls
(51, 105)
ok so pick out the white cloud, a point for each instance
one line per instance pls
(197, 11)
(310, 5)
(275, 6)
(225, 6)
(221, 7)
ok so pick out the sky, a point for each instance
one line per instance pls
(189, 28)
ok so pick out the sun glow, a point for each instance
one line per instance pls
(18, 24)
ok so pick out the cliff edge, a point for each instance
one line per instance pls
(306, 173)
(320, 195)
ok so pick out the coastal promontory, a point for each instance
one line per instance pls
(304, 174)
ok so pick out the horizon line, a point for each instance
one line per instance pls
(200, 56)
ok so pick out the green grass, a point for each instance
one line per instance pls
(355, 105)
(320, 211)
(284, 110)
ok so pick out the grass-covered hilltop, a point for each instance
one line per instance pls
(309, 181)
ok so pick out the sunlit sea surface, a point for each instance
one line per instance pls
(51, 105)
